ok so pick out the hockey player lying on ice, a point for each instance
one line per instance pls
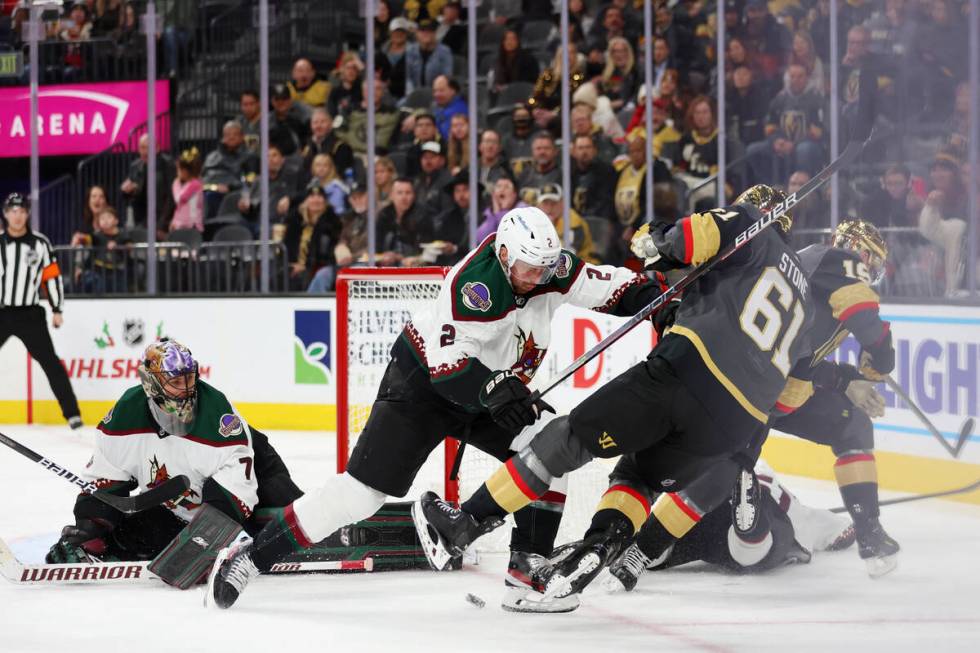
(706, 392)
(173, 424)
(460, 367)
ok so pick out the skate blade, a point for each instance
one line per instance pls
(613, 585)
(517, 599)
(880, 566)
(560, 586)
(209, 589)
(437, 555)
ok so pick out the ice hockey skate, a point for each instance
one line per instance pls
(876, 548)
(526, 577)
(444, 530)
(232, 571)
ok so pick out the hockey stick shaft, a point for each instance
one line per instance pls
(851, 152)
(953, 450)
(166, 491)
(919, 497)
(136, 572)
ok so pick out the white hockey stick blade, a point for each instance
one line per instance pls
(101, 573)
(71, 573)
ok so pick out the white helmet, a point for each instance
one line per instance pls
(531, 239)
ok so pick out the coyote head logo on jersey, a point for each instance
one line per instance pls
(158, 473)
(529, 356)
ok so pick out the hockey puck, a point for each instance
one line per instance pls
(475, 600)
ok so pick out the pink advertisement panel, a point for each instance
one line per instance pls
(75, 118)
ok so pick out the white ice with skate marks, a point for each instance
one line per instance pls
(930, 602)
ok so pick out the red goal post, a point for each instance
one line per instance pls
(373, 305)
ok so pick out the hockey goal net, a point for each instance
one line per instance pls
(373, 305)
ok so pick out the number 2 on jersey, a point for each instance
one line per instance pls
(758, 304)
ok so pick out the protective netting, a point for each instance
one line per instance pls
(377, 310)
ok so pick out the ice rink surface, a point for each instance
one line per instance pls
(929, 603)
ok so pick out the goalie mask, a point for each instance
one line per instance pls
(864, 239)
(766, 198)
(533, 246)
(168, 374)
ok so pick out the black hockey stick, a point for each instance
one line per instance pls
(850, 153)
(965, 430)
(166, 491)
(919, 497)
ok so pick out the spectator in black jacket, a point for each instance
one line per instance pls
(894, 203)
(225, 168)
(289, 122)
(312, 233)
(433, 178)
(492, 162)
(399, 227)
(514, 63)
(324, 141)
(285, 189)
(133, 187)
(424, 130)
(593, 180)
(746, 103)
(445, 232)
(794, 127)
(451, 31)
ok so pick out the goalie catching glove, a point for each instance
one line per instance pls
(510, 403)
(648, 245)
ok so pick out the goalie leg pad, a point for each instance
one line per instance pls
(341, 500)
(188, 558)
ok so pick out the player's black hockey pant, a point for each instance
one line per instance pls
(408, 421)
(657, 424)
(830, 418)
(28, 324)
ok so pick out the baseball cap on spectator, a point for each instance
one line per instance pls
(279, 92)
(427, 25)
(432, 146)
(549, 192)
(425, 113)
(315, 189)
(756, 4)
(400, 23)
(462, 178)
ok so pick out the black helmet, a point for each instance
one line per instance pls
(14, 200)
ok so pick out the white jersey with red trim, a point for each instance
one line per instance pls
(478, 317)
(130, 446)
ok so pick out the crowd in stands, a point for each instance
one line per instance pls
(907, 54)
(99, 40)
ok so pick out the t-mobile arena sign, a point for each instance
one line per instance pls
(75, 118)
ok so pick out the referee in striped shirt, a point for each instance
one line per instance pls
(26, 263)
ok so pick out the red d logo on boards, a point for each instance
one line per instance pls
(580, 343)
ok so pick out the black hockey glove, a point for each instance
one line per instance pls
(664, 318)
(510, 403)
(879, 359)
(81, 542)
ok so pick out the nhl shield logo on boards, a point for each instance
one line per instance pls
(476, 296)
(134, 332)
(229, 425)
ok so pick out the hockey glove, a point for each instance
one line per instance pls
(643, 248)
(81, 542)
(879, 359)
(864, 396)
(664, 318)
(510, 403)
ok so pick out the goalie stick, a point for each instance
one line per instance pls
(850, 153)
(965, 430)
(21, 573)
(165, 491)
(919, 497)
